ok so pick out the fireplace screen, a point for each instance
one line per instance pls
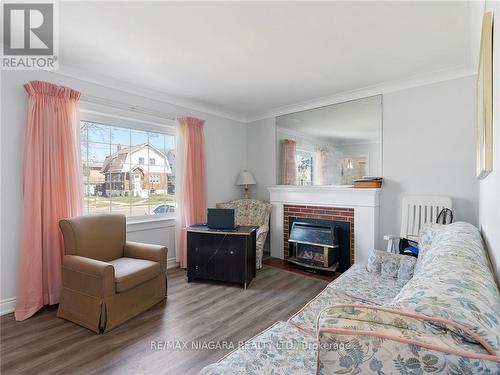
(315, 245)
(313, 254)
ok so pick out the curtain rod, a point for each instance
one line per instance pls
(126, 107)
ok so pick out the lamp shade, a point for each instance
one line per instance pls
(246, 178)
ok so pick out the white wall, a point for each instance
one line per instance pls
(160, 232)
(436, 121)
(261, 155)
(225, 152)
(489, 188)
(428, 148)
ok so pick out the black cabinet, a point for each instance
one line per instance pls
(221, 255)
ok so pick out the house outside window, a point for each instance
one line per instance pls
(115, 176)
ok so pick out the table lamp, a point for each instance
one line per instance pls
(244, 179)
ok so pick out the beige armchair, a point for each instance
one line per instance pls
(106, 279)
(255, 213)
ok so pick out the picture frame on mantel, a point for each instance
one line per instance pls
(484, 101)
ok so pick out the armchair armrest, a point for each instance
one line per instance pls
(262, 229)
(88, 276)
(155, 253)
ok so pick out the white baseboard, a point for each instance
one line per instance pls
(172, 263)
(7, 305)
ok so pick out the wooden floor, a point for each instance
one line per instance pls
(193, 313)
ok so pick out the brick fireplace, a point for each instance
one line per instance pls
(358, 207)
(317, 212)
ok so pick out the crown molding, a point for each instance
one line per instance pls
(378, 89)
(158, 96)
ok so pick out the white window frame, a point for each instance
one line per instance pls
(138, 122)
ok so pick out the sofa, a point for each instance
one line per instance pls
(252, 212)
(439, 313)
(106, 279)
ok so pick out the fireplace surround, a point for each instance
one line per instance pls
(358, 207)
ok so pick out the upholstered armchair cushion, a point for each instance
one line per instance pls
(106, 280)
(252, 212)
(131, 272)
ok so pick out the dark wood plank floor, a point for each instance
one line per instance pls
(193, 313)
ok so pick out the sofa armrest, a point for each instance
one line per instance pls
(155, 253)
(372, 340)
(88, 276)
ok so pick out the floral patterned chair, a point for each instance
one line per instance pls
(255, 213)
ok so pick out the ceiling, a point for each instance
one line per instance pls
(355, 121)
(247, 59)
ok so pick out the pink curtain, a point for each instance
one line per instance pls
(193, 202)
(320, 170)
(52, 190)
(289, 162)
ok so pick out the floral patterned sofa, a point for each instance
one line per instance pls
(438, 314)
(252, 212)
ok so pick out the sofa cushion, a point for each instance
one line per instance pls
(130, 272)
(375, 260)
(356, 285)
(390, 265)
(390, 268)
(281, 349)
(455, 282)
(307, 317)
(367, 286)
(406, 268)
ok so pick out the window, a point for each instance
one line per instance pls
(115, 175)
(304, 166)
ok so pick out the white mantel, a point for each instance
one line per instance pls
(365, 203)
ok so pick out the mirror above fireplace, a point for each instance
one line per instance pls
(331, 145)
